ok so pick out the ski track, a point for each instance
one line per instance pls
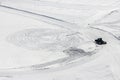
(104, 27)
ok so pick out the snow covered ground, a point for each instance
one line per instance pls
(54, 40)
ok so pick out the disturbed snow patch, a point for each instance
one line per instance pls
(73, 45)
(50, 39)
(75, 52)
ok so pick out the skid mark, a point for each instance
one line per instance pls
(50, 39)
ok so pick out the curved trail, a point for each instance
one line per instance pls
(90, 33)
(64, 61)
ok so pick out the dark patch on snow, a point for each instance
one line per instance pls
(99, 41)
(72, 51)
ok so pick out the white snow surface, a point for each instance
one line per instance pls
(54, 40)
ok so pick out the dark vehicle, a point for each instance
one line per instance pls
(99, 41)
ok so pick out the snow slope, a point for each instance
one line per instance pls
(48, 45)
